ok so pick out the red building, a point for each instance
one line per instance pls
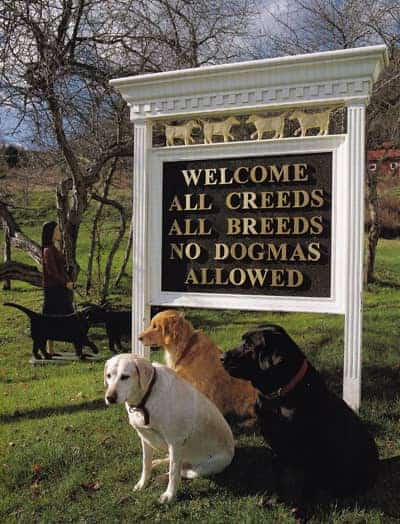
(391, 163)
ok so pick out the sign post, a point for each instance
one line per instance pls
(254, 198)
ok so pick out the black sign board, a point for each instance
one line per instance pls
(257, 225)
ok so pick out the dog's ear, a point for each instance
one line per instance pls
(170, 328)
(263, 360)
(145, 372)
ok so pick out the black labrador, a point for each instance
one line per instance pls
(117, 323)
(66, 328)
(308, 427)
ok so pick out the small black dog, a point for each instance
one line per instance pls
(67, 328)
(307, 426)
(117, 323)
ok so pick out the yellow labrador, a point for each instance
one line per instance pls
(169, 414)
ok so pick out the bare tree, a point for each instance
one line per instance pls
(315, 25)
(128, 248)
(57, 57)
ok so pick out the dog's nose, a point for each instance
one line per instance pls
(111, 399)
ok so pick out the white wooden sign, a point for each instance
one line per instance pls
(265, 219)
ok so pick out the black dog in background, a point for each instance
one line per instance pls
(66, 328)
(117, 323)
(307, 426)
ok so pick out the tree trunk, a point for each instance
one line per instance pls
(374, 226)
(93, 232)
(7, 255)
(17, 238)
(127, 254)
(116, 243)
(23, 272)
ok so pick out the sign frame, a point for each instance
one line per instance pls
(312, 81)
(335, 144)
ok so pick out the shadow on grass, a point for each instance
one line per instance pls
(392, 284)
(45, 412)
(378, 382)
(251, 474)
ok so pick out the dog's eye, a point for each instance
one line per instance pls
(108, 375)
(124, 377)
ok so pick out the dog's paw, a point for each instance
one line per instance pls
(159, 462)
(166, 497)
(140, 485)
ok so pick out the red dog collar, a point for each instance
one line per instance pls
(284, 390)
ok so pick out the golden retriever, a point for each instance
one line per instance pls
(195, 357)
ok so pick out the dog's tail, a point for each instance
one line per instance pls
(29, 312)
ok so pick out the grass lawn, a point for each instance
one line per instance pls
(65, 457)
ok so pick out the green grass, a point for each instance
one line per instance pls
(65, 458)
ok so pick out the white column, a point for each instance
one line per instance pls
(355, 243)
(140, 306)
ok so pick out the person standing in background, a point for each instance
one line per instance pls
(57, 286)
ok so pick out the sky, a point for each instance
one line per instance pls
(8, 122)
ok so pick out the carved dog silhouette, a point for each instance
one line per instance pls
(311, 121)
(183, 131)
(265, 125)
(219, 129)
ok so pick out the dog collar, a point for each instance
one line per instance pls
(141, 406)
(284, 390)
(186, 349)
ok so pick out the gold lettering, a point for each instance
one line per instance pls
(209, 177)
(233, 226)
(298, 254)
(175, 204)
(224, 180)
(295, 278)
(218, 277)
(267, 226)
(301, 198)
(299, 173)
(236, 175)
(275, 253)
(317, 198)
(193, 175)
(204, 277)
(314, 251)
(283, 199)
(277, 175)
(249, 200)
(263, 174)
(191, 278)
(228, 201)
(199, 229)
(238, 251)
(282, 225)
(300, 225)
(221, 251)
(249, 226)
(176, 249)
(317, 225)
(233, 276)
(267, 200)
(175, 229)
(277, 278)
(254, 256)
(257, 276)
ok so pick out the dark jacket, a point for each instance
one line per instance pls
(54, 274)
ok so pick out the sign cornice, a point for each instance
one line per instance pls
(332, 76)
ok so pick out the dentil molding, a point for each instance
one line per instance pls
(301, 80)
